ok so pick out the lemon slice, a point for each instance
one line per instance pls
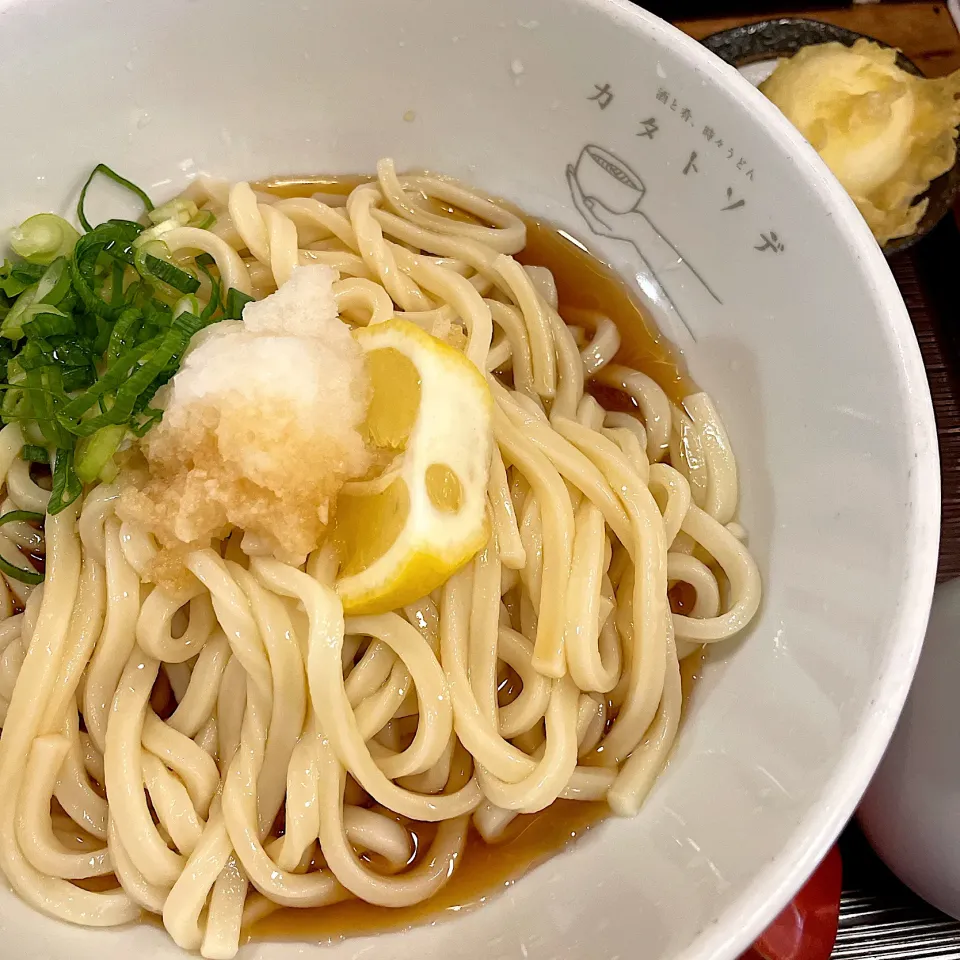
(403, 534)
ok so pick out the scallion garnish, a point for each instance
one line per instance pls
(40, 298)
(204, 220)
(44, 237)
(33, 453)
(236, 301)
(105, 171)
(172, 276)
(92, 329)
(66, 484)
(31, 577)
(183, 211)
(94, 452)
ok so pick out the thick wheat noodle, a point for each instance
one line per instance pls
(233, 271)
(22, 489)
(35, 832)
(379, 254)
(460, 294)
(354, 293)
(411, 887)
(683, 568)
(11, 443)
(195, 768)
(741, 571)
(19, 533)
(199, 701)
(173, 805)
(178, 677)
(531, 704)
(484, 631)
(288, 711)
(370, 672)
(73, 789)
(142, 893)
(230, 710)
(233, 612)
(117, 640)
(558, 537)
(86, 625)
(686, 454)
(155, 625)
(273, 708)
(124, 777)
(722, 485)
(650, 591)
(435, 712)
(602, 348)
(554, 768)
(653, 403)
(582, 637)
(571, 463)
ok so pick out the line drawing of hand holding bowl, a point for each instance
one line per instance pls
(608, 195)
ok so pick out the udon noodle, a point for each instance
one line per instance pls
(213, 755)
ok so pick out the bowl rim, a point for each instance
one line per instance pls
(772, 888)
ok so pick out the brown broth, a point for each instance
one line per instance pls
(586, 287)
(487, 870)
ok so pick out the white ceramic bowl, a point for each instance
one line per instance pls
(784, 308)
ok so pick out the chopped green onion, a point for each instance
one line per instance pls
(21, 516)
(23, 575)
(33, 453)
(103, 169)
(182, 211)
(204, 220)
(204, 262)
(12, 326)
(66, 484)
(78, 378)
(161, 360)
(50, 289)
(113, 238)
(151, 415)
(172, 276)
(156, 232)
(187, 304)
(123, 331)
(110, 471)
(236, 301)
(16, 277)
(47, 396)
(44, 237)
(89, 337)
(94, 452)
(31, 577)
(44, 322)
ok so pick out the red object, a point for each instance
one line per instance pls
(807, 929)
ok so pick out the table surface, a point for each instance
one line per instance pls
(880, 918)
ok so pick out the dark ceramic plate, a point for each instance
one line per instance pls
(770, 39)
